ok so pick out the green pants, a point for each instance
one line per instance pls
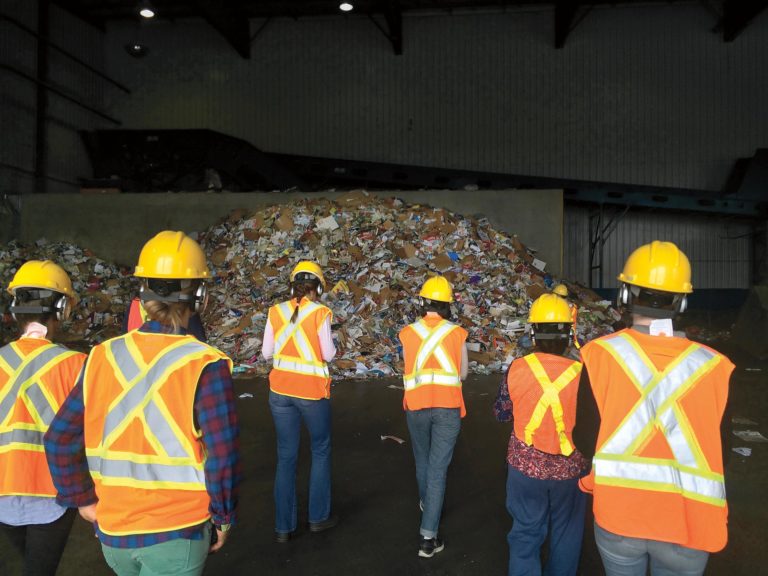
(180, 557)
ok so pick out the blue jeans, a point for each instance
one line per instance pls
(288, 413)
(433, 434)
(539, 507)
(626, 556)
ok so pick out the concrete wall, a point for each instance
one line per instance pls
(115, 226)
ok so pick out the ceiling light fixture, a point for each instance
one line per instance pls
(345, 7)
(146, 10)
(136, 49)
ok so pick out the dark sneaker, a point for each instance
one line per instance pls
(430, 546)
(283, 537)
(326, 524)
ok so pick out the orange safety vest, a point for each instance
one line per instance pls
(658, 470)
(36, 377)
(543, 389)
(298, 368)
(137, 315)
(574, 320)
(432, 351)
(144, 450)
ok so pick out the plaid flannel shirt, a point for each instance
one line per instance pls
(214, 410)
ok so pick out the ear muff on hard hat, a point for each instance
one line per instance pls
(172, 255)
(306, 271)
(651, 303)
(437, 289)
(42, 287)
(658, 266)
(655, 280)
(169, 263)
(40, 302)
(175, 291)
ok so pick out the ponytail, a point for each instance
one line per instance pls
(298, 291)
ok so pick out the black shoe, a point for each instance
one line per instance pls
(283, 537)
(326, 524)
(430, 546)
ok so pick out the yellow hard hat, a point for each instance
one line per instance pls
(172, 255)
(42, 274)
(560, 290)
(308, 267)
(549, 308)
(437, 288)
(658, 266)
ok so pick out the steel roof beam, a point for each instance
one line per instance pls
(737, 15)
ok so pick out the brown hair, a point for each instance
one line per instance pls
(301, 289)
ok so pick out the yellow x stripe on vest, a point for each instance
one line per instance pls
(432, 346)
(23, 385)
(688, 472)
(307, 362)
(174, 465)
(550, 399)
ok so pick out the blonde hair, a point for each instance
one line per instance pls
(169, 312)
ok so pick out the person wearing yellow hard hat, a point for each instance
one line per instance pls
(146, 445)
(539, 396)
(435, 363)
(657, 469)
(562, 291)
(36, 376)
(297, 338)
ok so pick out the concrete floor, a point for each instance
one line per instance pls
(375, 495)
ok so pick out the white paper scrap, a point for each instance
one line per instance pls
(539, 264)
(246, 395)
(394, 438)
(750, 435)
(327, 223)
(743, 450)
(743, 421)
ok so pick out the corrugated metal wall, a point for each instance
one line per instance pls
(719, 249)
(640, 94)
(66, 156)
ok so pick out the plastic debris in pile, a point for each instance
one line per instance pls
(104, 289)
(375, 254)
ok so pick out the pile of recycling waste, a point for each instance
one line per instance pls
(375, 253)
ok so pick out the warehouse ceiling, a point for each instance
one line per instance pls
(231, 18)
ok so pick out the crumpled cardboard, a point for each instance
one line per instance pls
(375, 259)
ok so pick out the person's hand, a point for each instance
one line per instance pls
(221, 537)
(88, 513)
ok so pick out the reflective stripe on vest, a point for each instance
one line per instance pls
(432, 346)
(175, 461)
(550, 398)
(24, 375)
(657, 408)
(308, 363)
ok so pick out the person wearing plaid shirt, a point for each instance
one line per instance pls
(146, 444)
